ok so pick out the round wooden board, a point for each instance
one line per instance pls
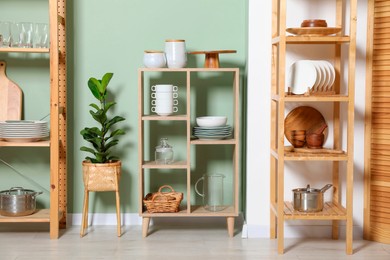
(314, 31)
(303, 118)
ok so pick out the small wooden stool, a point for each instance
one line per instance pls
(96, 186)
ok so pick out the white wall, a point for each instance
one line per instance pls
(258, 133)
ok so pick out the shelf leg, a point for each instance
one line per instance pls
(145, 226)
(349, 237)
(230, 226)
(84, 220)
(280, 235)
(335, 229)
(118, 213)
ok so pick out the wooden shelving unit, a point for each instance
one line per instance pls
(187, 209)
(283, 210)
(56, 214)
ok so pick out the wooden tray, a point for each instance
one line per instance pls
(314, 31)
(10, 96)
(303, 118)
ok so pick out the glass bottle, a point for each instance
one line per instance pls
(164, 152)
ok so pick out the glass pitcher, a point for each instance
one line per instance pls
(164, 152)
(212, 192)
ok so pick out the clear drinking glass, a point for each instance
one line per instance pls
(5, 34)
(26, 35)
(15, 34)
(41, 35)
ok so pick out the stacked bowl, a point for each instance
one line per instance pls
(164, 101)
(212, 128)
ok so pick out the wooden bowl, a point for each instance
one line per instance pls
(314, 23)
(315, 141)
(297, 143)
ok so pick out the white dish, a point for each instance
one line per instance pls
(319, 78)
(302, 76)
(332, 75)
(211, 121)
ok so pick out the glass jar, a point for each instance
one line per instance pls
(164, 152)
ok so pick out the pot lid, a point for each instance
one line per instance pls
(17, 191)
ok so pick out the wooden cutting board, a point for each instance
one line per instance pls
(303, 118)
(10, 97)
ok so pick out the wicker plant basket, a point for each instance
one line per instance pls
(101, 176)
(163, 202)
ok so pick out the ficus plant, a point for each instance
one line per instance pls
(102, 137)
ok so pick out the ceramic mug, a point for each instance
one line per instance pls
(155, 59)
(164, 95)
(164, 88)
(164, 111)
(176, 54)
(165, 102)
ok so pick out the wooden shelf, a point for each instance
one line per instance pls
(25, 50)
(331, 211)
(189, 96)
(164, 118)
(45, 143)
(196, 211)
(174, 165)
(312, 39)
(41, 215)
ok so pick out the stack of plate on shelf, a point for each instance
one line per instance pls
(23, 130)
(212, 132)
(313, 76)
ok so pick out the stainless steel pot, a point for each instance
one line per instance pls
(309, 199)
(17, 202)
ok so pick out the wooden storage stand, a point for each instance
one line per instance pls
(334, 210)
(56, 214)
(187, 210)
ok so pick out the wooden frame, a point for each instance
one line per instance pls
(189, 210)
(56, 215)
(281, 210)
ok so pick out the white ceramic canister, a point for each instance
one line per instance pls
(176, 54)
(154, 59)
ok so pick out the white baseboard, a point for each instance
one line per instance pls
(296, 229)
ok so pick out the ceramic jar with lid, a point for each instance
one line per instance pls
(164, 152)
(176, 54)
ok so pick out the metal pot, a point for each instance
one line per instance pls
(17, 202)
(309, 199)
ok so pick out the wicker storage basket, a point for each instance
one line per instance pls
(163, 202)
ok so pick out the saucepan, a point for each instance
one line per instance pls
(18, 201)
(309, 199)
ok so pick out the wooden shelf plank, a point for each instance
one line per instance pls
(174, 165)
(196, 211)
(189, 70)
(317, 39)
(325, 154)
(25, 50)
(331, 211)
(164, 118)
(45, 143)
(224, 141)
(41, 215)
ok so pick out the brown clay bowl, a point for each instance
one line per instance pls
(299, 137)
(298, 132)
(314, 23)
(315, 141)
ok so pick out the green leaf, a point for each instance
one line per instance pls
(87, 149)
(94, 106)
(94, 88)
(106, 79)
(114, 120)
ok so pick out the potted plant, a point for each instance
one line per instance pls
(101, 170)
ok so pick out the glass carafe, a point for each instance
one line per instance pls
(164, 152)
(212, 191)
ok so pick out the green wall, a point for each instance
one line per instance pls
(111, 37)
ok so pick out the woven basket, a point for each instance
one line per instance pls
(101, 176)
(163, 202)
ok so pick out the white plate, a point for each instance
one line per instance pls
(20, 140)
(332, 75)
(302, 76)
(319, 77)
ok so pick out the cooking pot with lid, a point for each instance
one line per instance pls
(309, 199)
(18, 201)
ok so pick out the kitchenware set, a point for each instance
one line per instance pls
(24, 34)
(173, 57)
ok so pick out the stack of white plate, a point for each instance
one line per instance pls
(311, 75)
(212, 132)
(23, 130)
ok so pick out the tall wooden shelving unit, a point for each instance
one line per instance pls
(144, 117)
(56, 214)
(283, 210)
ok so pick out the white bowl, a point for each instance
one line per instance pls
(211, 121)
(155, 59)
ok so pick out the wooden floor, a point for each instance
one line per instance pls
(167, 242)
